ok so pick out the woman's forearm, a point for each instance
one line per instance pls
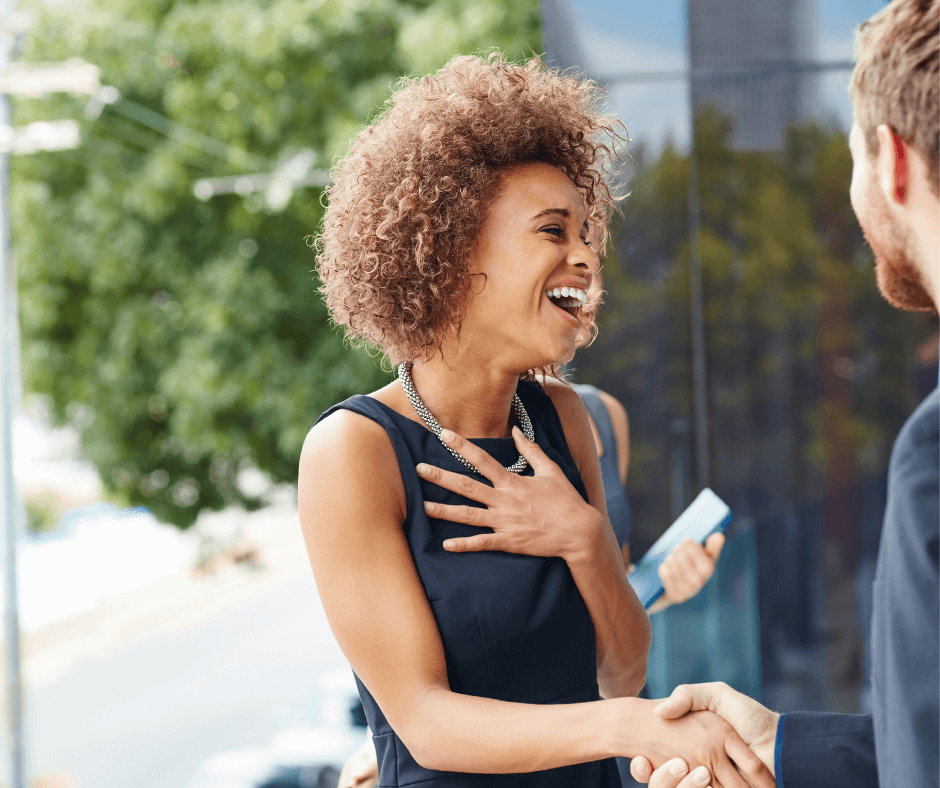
(463, 733)
(621, 625)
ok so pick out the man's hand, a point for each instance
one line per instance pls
(756, 725)
(672, 774)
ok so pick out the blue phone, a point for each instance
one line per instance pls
(706, 515)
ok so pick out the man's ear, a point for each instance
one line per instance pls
(892, 164)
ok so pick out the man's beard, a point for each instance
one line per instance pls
(899, 279)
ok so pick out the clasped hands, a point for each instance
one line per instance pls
(755, 724)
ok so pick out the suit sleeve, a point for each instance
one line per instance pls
(825, 749)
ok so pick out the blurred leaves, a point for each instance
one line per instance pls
(186, 339)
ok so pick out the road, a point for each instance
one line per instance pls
(140, 700)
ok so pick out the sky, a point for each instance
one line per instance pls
(625, 36)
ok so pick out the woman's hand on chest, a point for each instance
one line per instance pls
(539, 515)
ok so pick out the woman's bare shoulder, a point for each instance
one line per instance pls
(352, 457)
(345, 430)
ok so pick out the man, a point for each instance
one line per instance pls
(895, 186)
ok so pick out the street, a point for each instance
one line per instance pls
(221, 668)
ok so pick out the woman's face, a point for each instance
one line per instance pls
(532, 242)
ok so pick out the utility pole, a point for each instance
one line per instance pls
(74, 77)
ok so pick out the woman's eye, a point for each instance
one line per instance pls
(554, 230)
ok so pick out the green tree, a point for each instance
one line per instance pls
(186, 338)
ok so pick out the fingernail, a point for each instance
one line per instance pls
(449, 545)
(428, 506)
(677, 766)
(421, 468)
(447, 435)
(700, 776)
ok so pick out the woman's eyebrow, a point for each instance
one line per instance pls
(564, 212)
(549, 211)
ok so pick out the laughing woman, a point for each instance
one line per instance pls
(455, 519)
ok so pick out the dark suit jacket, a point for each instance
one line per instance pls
(826, 750)
(900, 741)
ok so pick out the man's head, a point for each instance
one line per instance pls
(895, 145)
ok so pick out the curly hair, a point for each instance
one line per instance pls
(408, 200)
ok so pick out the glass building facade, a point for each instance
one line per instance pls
(743, 330)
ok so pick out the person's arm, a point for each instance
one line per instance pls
(621, 624)
(824, 748)
(352, 506)
(621, 424)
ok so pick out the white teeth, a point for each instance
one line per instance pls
(575, 296)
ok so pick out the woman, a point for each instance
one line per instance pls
(683, 573)
(456, 240)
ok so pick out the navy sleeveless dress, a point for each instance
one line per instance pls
(513, 627)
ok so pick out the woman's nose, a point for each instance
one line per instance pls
(585, 258)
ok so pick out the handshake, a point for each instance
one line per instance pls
(754, 724)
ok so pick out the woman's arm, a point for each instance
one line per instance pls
(352, 506)
(621, 624)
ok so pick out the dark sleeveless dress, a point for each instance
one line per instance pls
(513, 627)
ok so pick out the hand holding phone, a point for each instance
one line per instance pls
(706, 515)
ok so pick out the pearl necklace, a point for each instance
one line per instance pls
(404, 375)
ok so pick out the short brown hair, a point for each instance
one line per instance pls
(408, 200)
(897, 78)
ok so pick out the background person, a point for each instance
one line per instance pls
(686, 570)
(895, 192)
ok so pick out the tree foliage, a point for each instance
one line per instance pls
(185, 338)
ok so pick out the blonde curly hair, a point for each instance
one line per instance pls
(408, 200)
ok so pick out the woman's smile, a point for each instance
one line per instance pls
(568, 300)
